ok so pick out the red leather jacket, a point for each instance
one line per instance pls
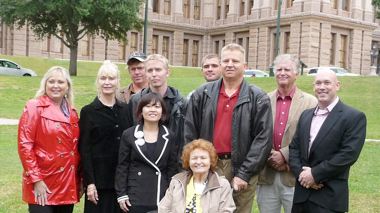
(48, 149)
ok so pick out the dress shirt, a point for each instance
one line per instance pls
(223, 120)
(318, 119)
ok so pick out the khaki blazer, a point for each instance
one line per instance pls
(300, 102)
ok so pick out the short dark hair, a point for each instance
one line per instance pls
(147, 99)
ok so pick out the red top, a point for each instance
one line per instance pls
(282, 114)
(223, 121)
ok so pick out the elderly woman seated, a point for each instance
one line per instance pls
(199, 189)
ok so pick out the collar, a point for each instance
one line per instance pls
(168, 94)
(98, 104)
(329, 108)
(290, 95)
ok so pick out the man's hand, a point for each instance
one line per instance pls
(239, 184)
(275, 159)
(306, 179)
(283, 167)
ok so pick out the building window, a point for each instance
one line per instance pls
(342, 51)
(251, 3)
(332, 48)
(156, 6)
(133, 43)
(240, 41)
(186, 8)
(197, 9)
(289, 3)
(185, 52)
(167, 7)
(219, 9)
(165, 47)
(242, 7)
(58, 46)
(86, 45)
(155, 44)
(334, 4)
(287, 42)
(217, 47)
(121, 50)
(46, 44)
(345, 5)
(227, 8)
(195, 53)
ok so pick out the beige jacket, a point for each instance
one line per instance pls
(125, 94)
(216, 197)
(300, 102)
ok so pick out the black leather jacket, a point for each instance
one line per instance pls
(251, 128)
(175, 118)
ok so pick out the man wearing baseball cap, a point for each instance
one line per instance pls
(136, 68)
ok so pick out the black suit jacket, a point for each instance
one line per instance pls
(100, 133)
(143, 180)
(336, 147)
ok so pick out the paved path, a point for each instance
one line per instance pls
(6, 121)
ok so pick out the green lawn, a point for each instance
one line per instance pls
(359, 92)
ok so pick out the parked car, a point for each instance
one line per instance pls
(339, 71)
(255, 73)
(8, 67)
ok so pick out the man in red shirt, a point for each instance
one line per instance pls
(236, 117)
(276, 182)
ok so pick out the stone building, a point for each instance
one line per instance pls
(320, 32)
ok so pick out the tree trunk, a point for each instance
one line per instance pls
(73, 60)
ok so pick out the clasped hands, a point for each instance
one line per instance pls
(306, 179)
(277, 161)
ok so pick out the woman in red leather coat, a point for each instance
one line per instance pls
(48, 146)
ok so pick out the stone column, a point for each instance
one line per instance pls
(266, 8)
(232, 12)
(326, 6)
(356, 9)
(310, 43)
(253, 46)
(255, 10)
(177, 48)
(295, 38)
(366, 56)
(324, 48)
(177, 11)
(263, 50)
(208, 10)
(368, 11)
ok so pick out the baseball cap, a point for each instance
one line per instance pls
(138, 56)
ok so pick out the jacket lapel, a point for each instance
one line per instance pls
(161, 144)
(330, 121)
(306, 133)
(142, 149)
(295, 106)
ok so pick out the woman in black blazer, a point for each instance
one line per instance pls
(147, 158)
(101, 124)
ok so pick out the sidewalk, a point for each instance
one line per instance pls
(6, 121)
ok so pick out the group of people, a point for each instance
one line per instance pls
(146, 148)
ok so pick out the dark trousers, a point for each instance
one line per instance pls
(107, 202)
(142, 209)
(310, 207)
(35, 208)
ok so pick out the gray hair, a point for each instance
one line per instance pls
(287, 57)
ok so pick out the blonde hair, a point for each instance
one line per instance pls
(108, 69)
(157, 57)
(70, 91)
(233, 47)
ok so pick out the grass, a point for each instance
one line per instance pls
(358, 92)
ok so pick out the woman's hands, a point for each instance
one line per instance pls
(40, 192)
(92, 194)
(124, 205)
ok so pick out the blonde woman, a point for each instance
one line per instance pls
(48, 146)
(102, 122)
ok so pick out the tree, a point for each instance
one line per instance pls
(376, 3)
(71, 20)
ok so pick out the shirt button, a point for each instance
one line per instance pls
(75, 125)
(117, 126)
(72, 166)
(26, 173)
(59, 141)
(139, 173)
(62, 168)
(282, 123)
(280, 134)
(57, 125)
(282, 112)
(228, 105)
(283, 102)
(118, 138)
(61, 155)
(72, 153)
(156, 173)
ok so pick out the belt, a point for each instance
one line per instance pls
(224, 156)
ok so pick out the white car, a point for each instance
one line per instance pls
(339, 71)
(254, 73)
(8, 67)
